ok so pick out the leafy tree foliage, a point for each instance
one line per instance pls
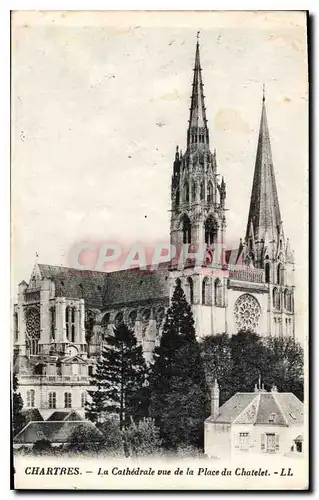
(178, 387)
(141, 439)
(18, 419)
(120, 384)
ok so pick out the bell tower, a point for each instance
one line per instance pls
(198, 219)
(197, 198)
(266, 246)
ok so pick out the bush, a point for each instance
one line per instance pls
(112, 437)
(141, 439)
(42, 447)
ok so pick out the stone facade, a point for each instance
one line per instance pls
(62, 314)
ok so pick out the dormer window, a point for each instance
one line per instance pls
(272, 417)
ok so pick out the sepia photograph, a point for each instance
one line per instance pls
(159, 250)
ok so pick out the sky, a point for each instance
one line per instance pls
(100, 101)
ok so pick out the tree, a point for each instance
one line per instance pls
(18, 419)
(179, 393)
(217, 359)
(119, 385)
(286, 363)
(83, 440)
(141, 439)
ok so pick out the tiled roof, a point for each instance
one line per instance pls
(59, 416)
(259, 408)
(76, 284)
(102, 290)
(135, 285)
(55, 432)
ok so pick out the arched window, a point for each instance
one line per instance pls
(186, 192)
(178, 282)
(52, 400)
(187, 230)
(118, 319)
(218, 293)
(267, 272)
(205, 291)
(210, 193)
(280, 274)
(52, 318)
(131, 319)
(67, 400)
(276, 298)
(193, 191)
(191, 290)
(31, 398)
(70, 323)
(202, 191)
(211, 230)
(177, 196)
(16, 327)
(33, 331)
(83, 399)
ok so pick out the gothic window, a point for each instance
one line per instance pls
(210, 193)
(205, 291)
(280, 274)
(186, 192)
(67, 400)
(218, 293)
(276, 298)
(83, 399)
(177, 196)
(211, 230)
(52, 400)
(146, 314)
(31, 398)
(191, 290)
(131, 319)
(70, 323)
(187, 230)
(247, 313)
(118, 319)
(90, 371)
(52, 321)
(267, 272)
(105, 323)
(16, 327)
(202, 191)
(33, 331)
(193, 192)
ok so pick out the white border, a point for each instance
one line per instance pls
(5, 8)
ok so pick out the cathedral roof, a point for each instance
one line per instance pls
(101, 290)
(264, 214)
(136, 285)
(271, 408)
(76, 284)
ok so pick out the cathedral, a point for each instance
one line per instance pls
(62, 314)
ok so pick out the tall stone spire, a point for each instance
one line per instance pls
(264, 214)
(197, 130)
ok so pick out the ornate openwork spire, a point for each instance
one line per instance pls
(264, 214)
(197, 130)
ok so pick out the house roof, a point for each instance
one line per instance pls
(55, 432)
(258, 408)
(58, 416)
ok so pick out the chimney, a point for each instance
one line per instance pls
(215, 400)
(274, 388)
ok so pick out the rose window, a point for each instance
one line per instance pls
(247, 313)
